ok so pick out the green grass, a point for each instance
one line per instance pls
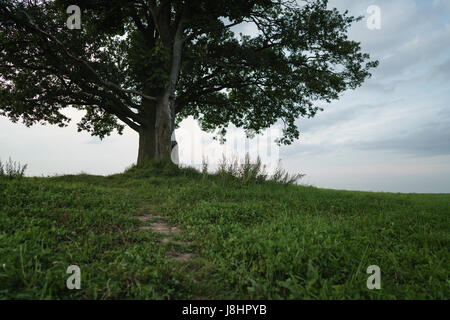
(250, 241)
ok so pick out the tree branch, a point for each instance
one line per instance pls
(104, 82)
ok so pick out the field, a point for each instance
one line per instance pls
(229, 239)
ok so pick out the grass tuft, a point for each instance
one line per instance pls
(12, 169)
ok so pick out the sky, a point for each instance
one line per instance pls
(390, 135)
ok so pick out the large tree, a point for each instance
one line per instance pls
(148, 64)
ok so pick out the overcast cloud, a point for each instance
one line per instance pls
(392, 134)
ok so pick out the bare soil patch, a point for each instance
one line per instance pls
(165, 229)
(181, 257)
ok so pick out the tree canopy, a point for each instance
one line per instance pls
(148, 64)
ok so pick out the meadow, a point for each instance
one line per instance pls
(241, 239)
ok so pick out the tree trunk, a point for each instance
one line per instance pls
(155, 137)
(163, 127)
(147, 147)
(147, 134)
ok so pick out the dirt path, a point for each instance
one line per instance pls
(156, 223)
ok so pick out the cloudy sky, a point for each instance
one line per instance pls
(392, 134)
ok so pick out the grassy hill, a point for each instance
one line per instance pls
(236, 240)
